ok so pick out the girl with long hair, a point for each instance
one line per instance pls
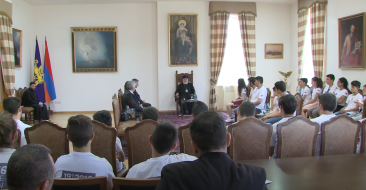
(242, 96)
(317, 90)
(342, 93)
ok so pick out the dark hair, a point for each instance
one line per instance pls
(344, 81)
(356, 84)
(29, 166)
(135, 80)
(364, 85)
(319, 82)
(241, 86)
(30, 84)
(260, 79)
(11, 105)
(79, 130)
(251, 80)
(8, 127)
(288, 103)
(103, 116)
(247, 109)
(208, 131)
(150, 113)
(328, 101)
(331, 76)
(164, 137)
(305, 80)
(198, 108)
(280, 85)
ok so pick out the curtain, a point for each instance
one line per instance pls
(219, 25)
(247, 29)
(302, 20)
(7, 55)
(317, 12)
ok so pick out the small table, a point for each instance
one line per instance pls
(184, 101)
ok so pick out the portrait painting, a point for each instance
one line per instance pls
(17, 40)
(183, 39)
(351, 32)
(273, 51)
(94, 49)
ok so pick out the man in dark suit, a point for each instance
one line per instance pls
(214, 169)
(129, 99)
(144, 104)
(30, 99)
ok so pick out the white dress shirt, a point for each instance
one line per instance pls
(22, 126)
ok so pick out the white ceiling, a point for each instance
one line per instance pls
(69, 2)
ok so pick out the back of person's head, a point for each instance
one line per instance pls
(8, 128)
(11, 105)
(328, 101)
(247, 109)
(104, 117)
(260, 79)
(208, 131)
(198, 108)
(356, 84)
(79, 130)
(29, 167)
(251, 80)
(319, 82)
(164, 137)
(129, 85)
(288, 103)
(331, 77)
(150, 113)
(280, 85)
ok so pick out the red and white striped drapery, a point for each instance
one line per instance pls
(317, 13)
(7, 54)
(247, 29)
(302, 20)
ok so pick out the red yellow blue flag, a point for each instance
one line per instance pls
(49, 85)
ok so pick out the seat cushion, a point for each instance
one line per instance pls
(123, 125)
(27, 109)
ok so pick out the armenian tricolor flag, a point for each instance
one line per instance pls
(49, 85)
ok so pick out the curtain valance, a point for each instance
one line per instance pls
(306, 4)
(6, 9)
(233, 7)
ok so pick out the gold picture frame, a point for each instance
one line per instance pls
(94, 49)
(18, 47)
(273, 51)
(351, 40)
(183, 39)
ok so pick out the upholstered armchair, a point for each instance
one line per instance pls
(136, 184)
(185, 139)
(300, 102)
(120, 126)
(93, 183)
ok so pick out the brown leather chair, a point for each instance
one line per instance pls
(28, 111)
(178, 80)
(17, 141)
(363, 136)
(104, 145)
(138, 146)
(363, 110)
(340, 135)
(50, 135)
(250, 139)
(185, 139)
(93, 183)
(300, 102)
(268, 99)
(120, 126)
(136, 184)
(120, 94)
(297, 138)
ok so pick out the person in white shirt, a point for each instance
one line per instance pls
(163, 141)
(12, 105)
(279, 90)
(105, 117)
(342, 93)
(304, 90)
(242, 95)
(329, 88)
(253, 88)
(327, 104)
(259, 95)
(288, 106)
(352, 108)
(360, 104)
(317, 90)
(81, 163)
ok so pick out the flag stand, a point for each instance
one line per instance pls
(50, 112)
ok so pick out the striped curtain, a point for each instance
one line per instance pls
(7, 55)
(219, 24)
(302, 20)
(317, 12)
(247, 29)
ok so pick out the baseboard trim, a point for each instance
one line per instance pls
(78, 112)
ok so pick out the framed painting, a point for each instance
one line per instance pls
(273, 51)
(351, 38)
(17, 40)
(94, 49)
(183, 39)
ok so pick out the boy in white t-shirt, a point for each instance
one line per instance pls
(259, 95)
(352, 108)
(163, 141)
(361, 104)
(304, 90)
(279, 90)
(82, 163)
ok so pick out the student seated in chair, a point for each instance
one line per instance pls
(361, 105)
(304, 90)
(163, 141)
(242, 96)
(150, 113)
(279, 90)
(198, 108)
(259, 95)
(317, 90)
(81, 163)
(129, 98)
(251, 85)
(352, 108)
(105, 117)
(246, 109)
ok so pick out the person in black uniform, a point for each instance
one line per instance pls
(144, 104)
(184, 92)
(30, 99)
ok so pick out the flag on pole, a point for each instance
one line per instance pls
(49, 85)
(38, 75)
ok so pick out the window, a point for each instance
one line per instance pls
(233, 65)
(308, 67)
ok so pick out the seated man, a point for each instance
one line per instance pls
(105, 117)
(144, 104)
(275, 115)
(162, 142)
(12, 105)
(352, 108)
(198, 108)
(246, 109)
(259, 95)
(81, 162)
(30, 99)
(361, 105)
(150, 113)
(185, 91)
(30, 167)
(129, 99)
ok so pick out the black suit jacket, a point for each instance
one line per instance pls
(138, 98)
(212, 171)
(30, 98)
(130, 99)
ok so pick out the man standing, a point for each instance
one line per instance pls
(144, 104)
(184, 92)
(30, 99)
(352, 49)
(129, 99)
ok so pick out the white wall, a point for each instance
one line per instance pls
(294, 48)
